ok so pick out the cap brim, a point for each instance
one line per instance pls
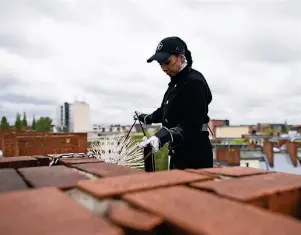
(159, 56)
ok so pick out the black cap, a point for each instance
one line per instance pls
(167, 47)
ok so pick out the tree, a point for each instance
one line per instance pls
(43, 124)
(4, 123)
(18, 122)
(284, 128)
(33, 125)
(268, 130)
(161, 159)
(24, 122)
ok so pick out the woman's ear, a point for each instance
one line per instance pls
(182, 58)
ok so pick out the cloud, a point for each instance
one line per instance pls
(21, 99)
(62, 50)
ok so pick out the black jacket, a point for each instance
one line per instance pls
(183, 111)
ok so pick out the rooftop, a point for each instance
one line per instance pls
(282, 161)
(87, 196)
(234, 126)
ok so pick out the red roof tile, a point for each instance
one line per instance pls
(107, 169)
(196, 212)
(118, 185)
(164, 202)
(70, 161)
(235, 171)
(258, 190)
(132, 218)
(48, 211)
(56, 176)
(17, 162)
(10, 180)
(42, 159)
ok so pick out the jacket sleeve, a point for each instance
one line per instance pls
(194, 111)
(154, 117)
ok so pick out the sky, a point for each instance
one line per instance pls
(95, 51)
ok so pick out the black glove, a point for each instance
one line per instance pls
(164, 136)
(142, 118)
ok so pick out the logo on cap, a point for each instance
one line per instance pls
(159, 47)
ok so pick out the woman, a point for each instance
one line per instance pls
(184, 109)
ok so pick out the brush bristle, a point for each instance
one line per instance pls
(118, 150)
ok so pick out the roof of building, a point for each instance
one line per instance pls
(283, 163)
(282, 160)
(233, 126)
(83, 197)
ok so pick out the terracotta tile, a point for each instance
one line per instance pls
(119, 212)
(48, 211)
(18, 162)
(58, 176)
(105, 169)
(278, 192)
(98, 207)
(217, 166)
(70, 161)
(121, 184)
(135, 219)
(235, 171)
(10, 180)
(196, 171)
(42, 159)
(52, 155)
(87, 174)
(196, 212)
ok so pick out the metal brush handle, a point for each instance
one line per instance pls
(149, 160)
(140, 123)
(149, 163)
(128, 134)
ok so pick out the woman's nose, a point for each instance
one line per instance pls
(164, 68)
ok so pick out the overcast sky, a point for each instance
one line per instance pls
(61, 50)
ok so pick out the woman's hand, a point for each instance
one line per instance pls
(141, 117)
(153, 141)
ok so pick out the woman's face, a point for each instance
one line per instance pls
(172, 65)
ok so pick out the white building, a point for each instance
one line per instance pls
(106, 128)
(74, 117)
(79, 117)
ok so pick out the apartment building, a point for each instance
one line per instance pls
(214, 123)
(73, 117)
(63, 117)
(232, 131)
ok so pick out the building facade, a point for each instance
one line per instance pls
(73, 117)
(63, 117)
(232, 131)
(214, 123)
(79, 117)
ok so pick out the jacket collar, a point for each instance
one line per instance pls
(180, 77)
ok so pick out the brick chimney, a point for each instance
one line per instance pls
(229, 155)
(281, 142)
(292, 150)
(268, 150)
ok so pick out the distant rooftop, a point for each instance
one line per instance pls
(234, 126)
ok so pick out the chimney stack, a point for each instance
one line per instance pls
(229, 155)
(268, 150)
(292, 150)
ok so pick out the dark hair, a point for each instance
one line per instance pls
(187, 52)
